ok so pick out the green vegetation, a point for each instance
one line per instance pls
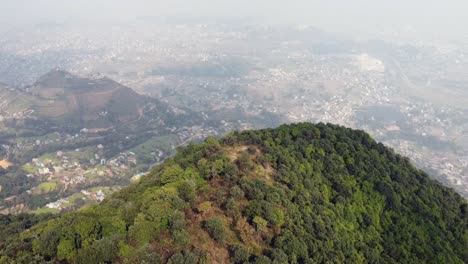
(46, 210)
(11, 225)
(296, 194)
(29, 168)
(215, 227)
(46, 187)
(145, 152)
(46, 137)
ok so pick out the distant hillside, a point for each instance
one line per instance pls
(62, 100)
(63, 113)
(63, 95)
(12, 100)
(301, 193)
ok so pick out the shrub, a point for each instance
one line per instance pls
(215, 227)
(186, 192)
(239, 254)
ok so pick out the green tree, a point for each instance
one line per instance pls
(215, 228)
(171, 174)
(260, 223)
(186, 191)
(239, 254)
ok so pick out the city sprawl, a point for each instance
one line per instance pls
(213, 78)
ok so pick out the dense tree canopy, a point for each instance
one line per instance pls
(300, 193)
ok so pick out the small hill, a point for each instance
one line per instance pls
(300, 193)
(61, 100)
(66, 96)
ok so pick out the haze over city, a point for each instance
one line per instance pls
(217, 131)
(434, 18)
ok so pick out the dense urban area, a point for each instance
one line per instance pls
(216, 78)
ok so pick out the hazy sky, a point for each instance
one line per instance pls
(441, 16)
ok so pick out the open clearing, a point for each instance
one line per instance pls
(5, 164)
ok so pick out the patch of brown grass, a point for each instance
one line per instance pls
(234, 152)
(5, 164)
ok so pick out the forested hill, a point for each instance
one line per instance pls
(300, 193)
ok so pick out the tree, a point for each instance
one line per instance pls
(239, 254)
(260, 223)
(279, 256)
(171, 174)
(215, 228)
(274, 215)
(212, 145)
(47, 243)
(176, 221)
(262, 260)
(186, 191)
(66, 249)
(244, 162)
(177, 258)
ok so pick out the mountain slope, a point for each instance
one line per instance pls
(62, 101)
(85, 100)
(71, 115)
(300, 194)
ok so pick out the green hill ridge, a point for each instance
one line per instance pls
(300, 193)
